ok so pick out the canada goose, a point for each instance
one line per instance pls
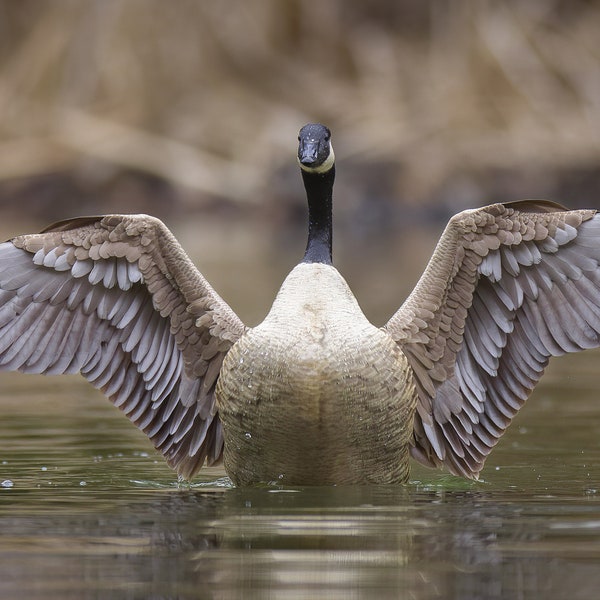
(315, 394)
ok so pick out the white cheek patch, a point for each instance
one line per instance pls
(322, 168)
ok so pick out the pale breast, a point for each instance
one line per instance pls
(316, 394)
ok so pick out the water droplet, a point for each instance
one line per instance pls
(44, 468)
(82, 483)
(241, 361)
(248, 435)
(280, 476)
(7, 483)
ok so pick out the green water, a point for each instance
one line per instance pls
(89, 510)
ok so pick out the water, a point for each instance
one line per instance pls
(92, 512)
(89, 510)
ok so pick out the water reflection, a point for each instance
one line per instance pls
(93, 512)
(333, 542)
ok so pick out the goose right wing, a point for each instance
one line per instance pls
(508, 286)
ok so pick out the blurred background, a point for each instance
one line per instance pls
(189, 110)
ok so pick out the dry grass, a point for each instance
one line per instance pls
(430, 100)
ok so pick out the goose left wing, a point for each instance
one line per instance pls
(508, 286)
(117, 299)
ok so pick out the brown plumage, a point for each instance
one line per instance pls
(315, 394)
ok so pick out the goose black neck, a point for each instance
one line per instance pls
(319, 191)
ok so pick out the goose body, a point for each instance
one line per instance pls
(315, 394)
(342, 386)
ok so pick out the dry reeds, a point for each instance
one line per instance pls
(209, 95)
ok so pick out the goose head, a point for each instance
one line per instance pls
(315, 152)
(317, 165)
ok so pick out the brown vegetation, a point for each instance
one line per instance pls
(123, 104)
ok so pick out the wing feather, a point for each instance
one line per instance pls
(117, 299)
(517, 283)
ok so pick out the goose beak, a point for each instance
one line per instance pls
(308, 153)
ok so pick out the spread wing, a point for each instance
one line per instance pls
(117, 299)
(508, 286)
